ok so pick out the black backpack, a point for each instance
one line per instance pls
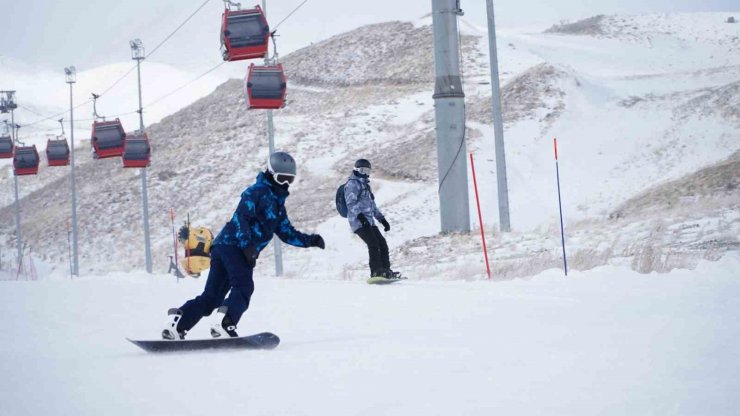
(341, 202)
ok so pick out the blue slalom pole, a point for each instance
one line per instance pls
(560, 205)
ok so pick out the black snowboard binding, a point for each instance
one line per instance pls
(390, 274)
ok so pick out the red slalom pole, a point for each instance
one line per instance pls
(187, 247)
(480, 217)
(560, 205)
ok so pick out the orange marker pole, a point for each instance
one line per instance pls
(187, 246)
(480, 217)
(174, 238)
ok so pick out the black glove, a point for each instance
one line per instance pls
(250, 254)
(317, 241)
(363, 220)
(386, 226)
(183, 234)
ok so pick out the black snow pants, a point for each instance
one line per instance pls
(229, 273)
(377, 249)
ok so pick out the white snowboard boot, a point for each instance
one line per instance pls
(170, 331)
(223, 326)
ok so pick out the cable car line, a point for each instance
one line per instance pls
(84, 102)
(245, 33)
(107, 137)
(56, 115)
(157, 100)
(176, 29)
(7, 145)
(51, 117)
(265, 87)
(119, 79)
(25, 158)
(157, 47)
(289, 14)
(184, 85)
(116, 83)
(30, 111)
(57, 149)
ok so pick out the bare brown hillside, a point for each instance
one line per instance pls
(711, 187)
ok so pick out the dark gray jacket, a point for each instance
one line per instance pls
(360, 200)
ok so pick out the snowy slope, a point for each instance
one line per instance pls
(647, 126)
(608, 341)
(628, 115)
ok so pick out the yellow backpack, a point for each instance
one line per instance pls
(197, 242)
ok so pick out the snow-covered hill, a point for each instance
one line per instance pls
(708, 29)
(646, 112)
(628, 116)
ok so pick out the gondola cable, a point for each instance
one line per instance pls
(176, 29)
(122, 77)
(289, 14)
(184, 85)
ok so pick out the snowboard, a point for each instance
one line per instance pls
(261, 341)
(378, 280)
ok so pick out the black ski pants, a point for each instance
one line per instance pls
(377, 249)
(230, 274)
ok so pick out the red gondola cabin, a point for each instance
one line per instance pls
(107, 139)
(57, 152)
(244, 34)
(25, 160)
(137, 152)
(266, 87)
(6, 147)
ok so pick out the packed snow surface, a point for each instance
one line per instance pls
(606, 341)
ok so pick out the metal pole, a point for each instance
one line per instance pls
(73, 183)
(18, 236)
(560, 206)
(69, 251)
(141, 109)
(276, 242)
(498, 125)
(138, 50)
(271, 141)
(449, 109)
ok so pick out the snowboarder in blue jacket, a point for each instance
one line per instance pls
(362, 213)
(260, 214)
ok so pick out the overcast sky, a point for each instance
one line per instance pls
(54, 33)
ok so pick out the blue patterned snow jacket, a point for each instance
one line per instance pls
(360, 200)
(260, 214)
